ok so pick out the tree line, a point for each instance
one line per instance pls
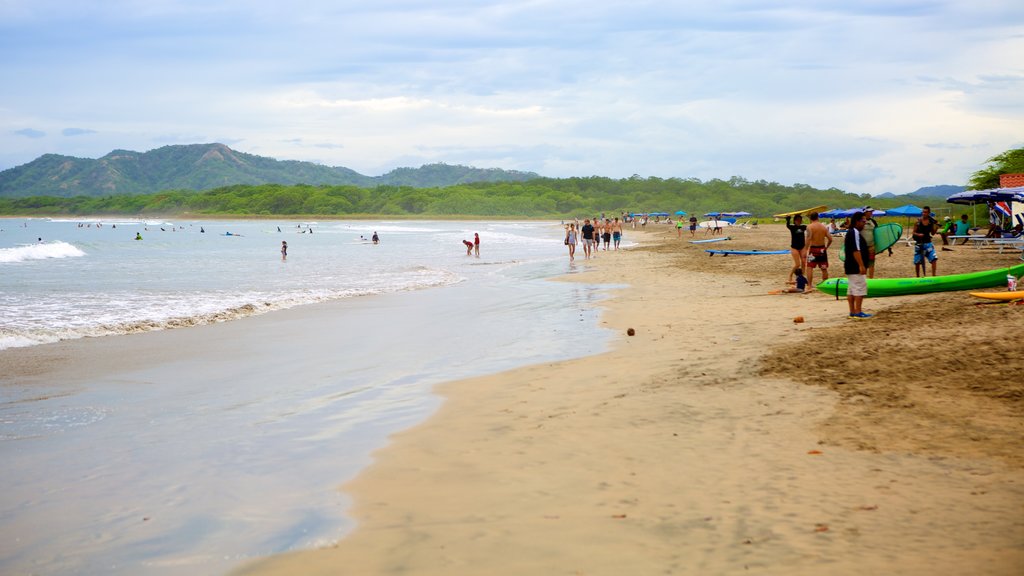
(537, 198)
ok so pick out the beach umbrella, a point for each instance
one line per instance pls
(737, 214)
(908, 210)
(1015, 194)
(680, 213)
(713, 214)
(1001, 197)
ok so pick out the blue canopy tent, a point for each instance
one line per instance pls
(713, 214)
(736, 214)
(908, 210)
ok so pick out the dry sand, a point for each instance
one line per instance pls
(722, 438)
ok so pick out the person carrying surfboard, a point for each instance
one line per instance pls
(797, 243)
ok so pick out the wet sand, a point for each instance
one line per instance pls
(722, 438)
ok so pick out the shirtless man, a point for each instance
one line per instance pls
(819, 240)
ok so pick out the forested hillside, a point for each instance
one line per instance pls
(200, 167)
(542, 197)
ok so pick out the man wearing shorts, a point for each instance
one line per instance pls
(856, 252)
(923, 247)
(819, 240)
(693, 225)
(616, 233)
(588, 237)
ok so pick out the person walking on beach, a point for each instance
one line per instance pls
(476, 244)
(607, 235)
(284, 250)
(693, 225)
(588, 237)
(616, 233)
(856, 251)
(570, 241)
(817, 256)
(923, 247)
(797, 242)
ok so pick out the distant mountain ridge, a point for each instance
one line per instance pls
(208, 166)
(939, 191)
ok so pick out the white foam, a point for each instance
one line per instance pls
(39, 252)
(48, 321)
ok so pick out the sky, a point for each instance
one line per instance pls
(867, 96)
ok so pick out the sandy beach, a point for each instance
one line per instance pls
(722, 438)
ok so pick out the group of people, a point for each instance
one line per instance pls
(592, 234)
(809, 246)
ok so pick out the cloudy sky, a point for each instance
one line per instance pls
(865, 95)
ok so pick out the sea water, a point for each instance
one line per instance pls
(234, 451)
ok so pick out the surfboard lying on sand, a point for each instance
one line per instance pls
(709, 240)
(886, 236)
(880, 287)
(804, 211)
(1003, 296)
(746, 252)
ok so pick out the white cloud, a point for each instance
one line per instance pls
(852, 95)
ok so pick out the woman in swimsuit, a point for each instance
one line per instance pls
(797, 243)
(570, 241)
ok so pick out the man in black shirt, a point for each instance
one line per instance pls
(923, 247)
(855, 266)
(797, 243)
(588, 237)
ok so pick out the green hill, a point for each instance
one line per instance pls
(208, 166)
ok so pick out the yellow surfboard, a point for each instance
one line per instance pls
(806, 211)
(1015, 295)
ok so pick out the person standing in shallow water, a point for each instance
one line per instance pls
(571, 241)
(284, 250)
(476, 244)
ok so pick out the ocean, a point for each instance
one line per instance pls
(271, 380)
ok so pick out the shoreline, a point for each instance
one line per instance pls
(683, 450)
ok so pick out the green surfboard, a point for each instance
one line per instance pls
(880, 287)
(886, 235)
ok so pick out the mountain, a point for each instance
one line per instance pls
(207, 166)
(940, 191)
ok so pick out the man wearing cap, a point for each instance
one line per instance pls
(945, 231)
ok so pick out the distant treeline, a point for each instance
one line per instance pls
(539, 198)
